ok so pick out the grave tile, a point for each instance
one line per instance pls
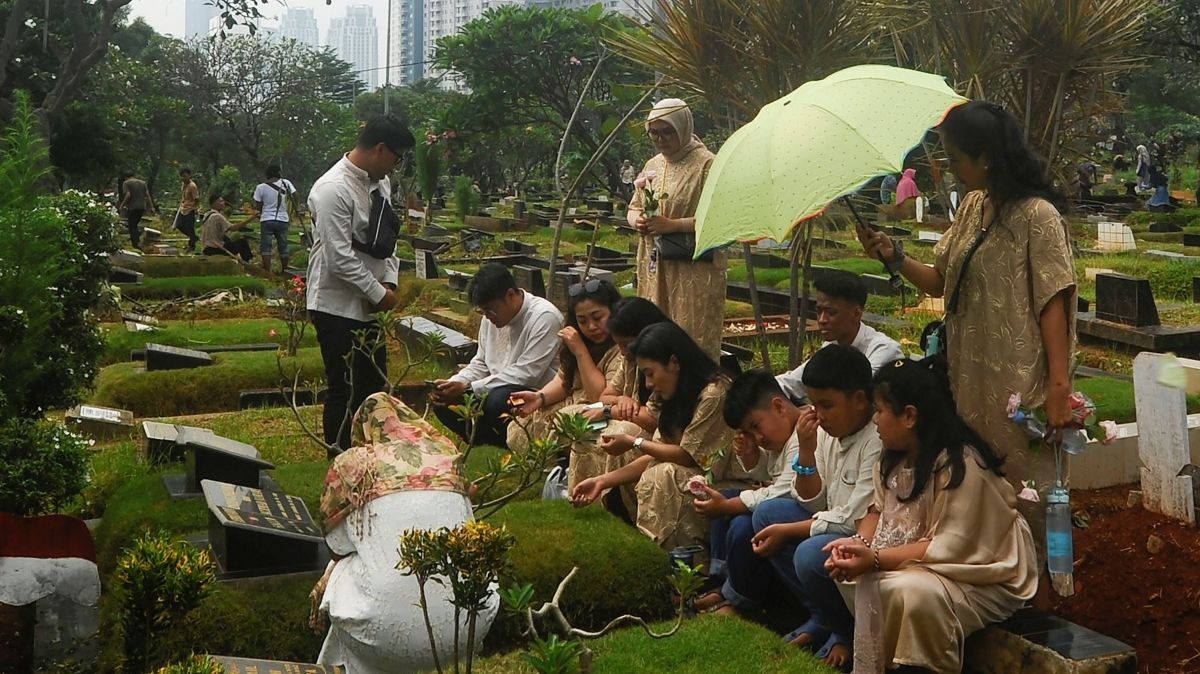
(133, 326)
(561, 281)
(602, 253)
(1164, 228)
(530, 279)
(519, 247)
(161, 357)
(151, 234)
(1125, 299)
(422, 243)
(458, 280)
(214, 457)
(878, 284)
(256, 532)
(413, 328)
(162, 441)
(433, 231)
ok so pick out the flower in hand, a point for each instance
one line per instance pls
(650, 198)
(709, 502)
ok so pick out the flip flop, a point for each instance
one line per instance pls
(832, 641)
(813, 627)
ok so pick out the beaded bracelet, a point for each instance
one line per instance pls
(862, 540)
(803, 471)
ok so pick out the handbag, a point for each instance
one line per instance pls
(933, 336)
(383, 228)
(679, 246)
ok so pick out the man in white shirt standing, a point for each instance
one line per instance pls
(841, 300)
(272, 198)
(352, 270)
(518, 351)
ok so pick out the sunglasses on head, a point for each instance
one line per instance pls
(591, 285)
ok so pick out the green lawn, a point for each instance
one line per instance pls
(194, 334)
(189, 265)
(192, 287)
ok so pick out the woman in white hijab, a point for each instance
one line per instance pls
(691, 292)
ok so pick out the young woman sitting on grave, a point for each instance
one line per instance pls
(623, 406)
(942, 551)
(687, 395)
(589, 358)
(401, 473)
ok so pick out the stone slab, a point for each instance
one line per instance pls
(426, 265)
(100, 423)
(123, 275)
(1125, 299)
(256, 666)
(459, 347)
(162, 441)
(530, 279)
(518, 247)
(1032, 641)
(1164, 228)
(1191, 240)
(1163, 439)
(162, 357)
(1184, 341)
(215, 457)
(256, 532)
(140, 354)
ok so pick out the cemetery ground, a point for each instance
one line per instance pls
(1139, 592)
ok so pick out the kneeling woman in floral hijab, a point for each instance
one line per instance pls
(401, 474)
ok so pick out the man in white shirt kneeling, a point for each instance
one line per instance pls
(518, 351)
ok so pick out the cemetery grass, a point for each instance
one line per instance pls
(1170, 280)
(704, 643)
(194, 334)
(159, 267)
(1149, 600)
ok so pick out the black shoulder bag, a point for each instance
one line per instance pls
(383, 228)
(933, 337)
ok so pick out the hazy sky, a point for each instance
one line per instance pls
(166, 16)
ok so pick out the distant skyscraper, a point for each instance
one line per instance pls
(355, 39)
(197, 15)
(407, 47)
(300, 24)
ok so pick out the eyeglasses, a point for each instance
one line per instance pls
(591, 285)
(660, 134)
(400, 155)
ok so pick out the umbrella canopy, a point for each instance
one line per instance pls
(822, 141)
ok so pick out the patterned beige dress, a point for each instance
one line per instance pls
(664, 504)
(691, 293)
(979, 569)
(994, 341)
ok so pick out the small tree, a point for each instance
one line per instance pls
(466, 199)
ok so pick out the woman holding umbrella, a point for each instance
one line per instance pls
(663, 209)
(1006, 271)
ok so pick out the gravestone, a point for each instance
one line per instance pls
(1191, 240)
(894, 231)
(434, 231)
(1196, 289)
(100, 423)
(162, 442)
(214, 457)
(427, 267)
(878, 284)
(133, 326)
(422, 243)
(1125, 299)
(161, 357)
(519, 247)
(151, 235)
(529, 279)
(1163, 444)
(255, 666)
(765, 260)
(140, 354)
(123, 275)
(561, 283)
(1169, 255)
(412, 329)
(292, 272)
(1164, 228)
(139, 318)
(519, 209)
(928, 237)
(127, 258)
(1115, 237)
(458, 280)
(602, 253)
(254, 532)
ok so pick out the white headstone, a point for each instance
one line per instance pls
(1163, 438)
(921, 201)
(100, 413)
(931, 237)
(1113, 236)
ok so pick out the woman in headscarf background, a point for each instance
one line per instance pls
(1143, 167)
(907, 188)
(691, 292)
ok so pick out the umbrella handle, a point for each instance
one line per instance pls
(892, 268)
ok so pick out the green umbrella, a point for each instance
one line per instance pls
(822, 141)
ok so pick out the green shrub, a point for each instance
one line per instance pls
(229, 185)
(466, 199)
(42, 466)
(620, 569)
(197, 664)
(158, 581)
(143, 504)
(425, 164)
(192, 286)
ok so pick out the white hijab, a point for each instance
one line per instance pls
(676, 112)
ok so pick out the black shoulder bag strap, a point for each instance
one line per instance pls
(952, 305)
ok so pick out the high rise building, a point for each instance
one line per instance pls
(197, 15)
(355, 39)
(300, 24)
(626, 7)
(407, 46)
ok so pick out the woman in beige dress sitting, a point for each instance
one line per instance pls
(588, 361)
(942, 551)
(687, 395)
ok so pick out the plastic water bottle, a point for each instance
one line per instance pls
(1060, 557)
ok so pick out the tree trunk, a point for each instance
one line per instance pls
(802, 325)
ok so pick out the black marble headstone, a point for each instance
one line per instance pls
(422, 243)
(892, 230)
(1196, 289)
(530, 279)
(411, 329)
(561, 283)
(256, 532)
(432, 231)
(458, 280)
(519, 209)
(878, 284)
(1164, 228)
(161, 357)
(255, 666)
(427, 267)
(162, 444)
(1191, 240)
(1125, 299)
(519, 247)
(214, 457)
(602, 253)
(123, 275)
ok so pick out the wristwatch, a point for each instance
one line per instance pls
(897, 253)
(637, 442)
